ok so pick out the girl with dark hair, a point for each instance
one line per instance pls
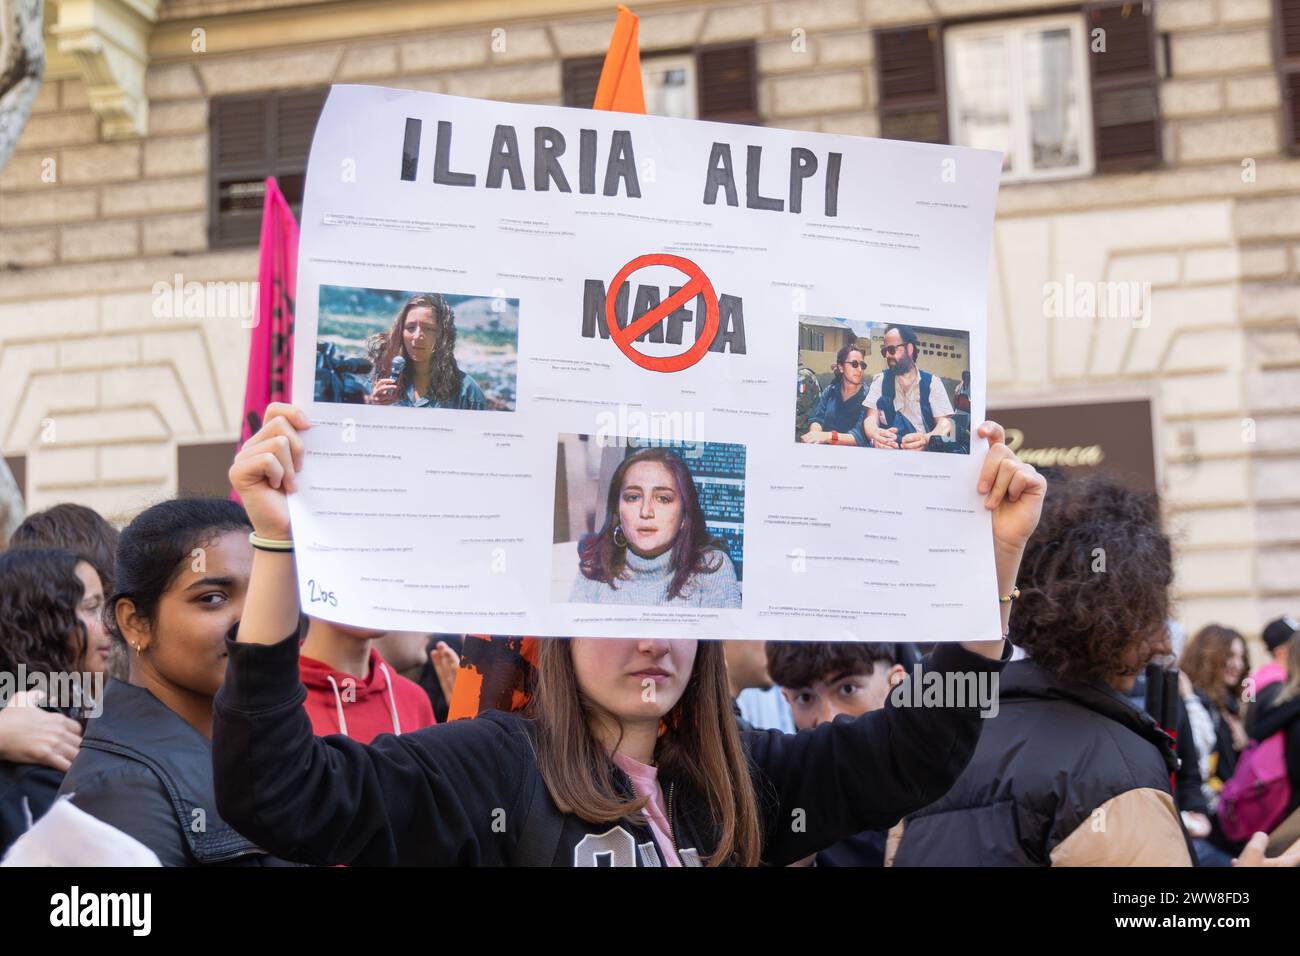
(424, 338)
(839, 411)
(631, 755)
(145, 765)
(45, 631)
(654, 547)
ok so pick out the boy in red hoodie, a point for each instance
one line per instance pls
(351, 690)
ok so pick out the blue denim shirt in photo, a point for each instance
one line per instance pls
(835, 414)
(470, 397)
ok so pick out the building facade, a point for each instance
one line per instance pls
(1147, 240)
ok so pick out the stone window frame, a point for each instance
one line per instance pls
(910, 73)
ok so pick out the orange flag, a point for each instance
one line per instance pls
(494, 671)
(620, 86)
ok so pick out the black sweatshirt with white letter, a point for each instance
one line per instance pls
(465, 793)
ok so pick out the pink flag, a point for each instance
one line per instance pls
(270, 354)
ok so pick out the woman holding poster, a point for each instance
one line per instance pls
(654, 547)
(631, 755)
(417, 367)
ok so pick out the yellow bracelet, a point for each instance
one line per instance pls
(269, 544)
(1008, 598)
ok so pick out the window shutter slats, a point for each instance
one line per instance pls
(1286, 14)
(252, 137)
(1125, 100)
(910, 78)
(296, 116)
(727, 81)
(581, 77)
(239, 132)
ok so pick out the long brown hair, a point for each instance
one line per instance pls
(444, 373)
(694, 550)
(39, 626)
(700, 746)
(1204, 659)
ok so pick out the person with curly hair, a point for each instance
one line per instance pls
(85, 533)
(423, 336)
(1069, 772)
(48, 628)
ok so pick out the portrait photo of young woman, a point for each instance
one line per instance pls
(653, 546)
(423, 337)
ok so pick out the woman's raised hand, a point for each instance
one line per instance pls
(1012, 490)
(266, 469)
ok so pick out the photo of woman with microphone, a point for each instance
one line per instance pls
(417, 367)
(654, 547)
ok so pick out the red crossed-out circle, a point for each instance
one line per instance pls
(697, 283)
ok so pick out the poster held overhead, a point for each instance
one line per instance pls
(601, 318)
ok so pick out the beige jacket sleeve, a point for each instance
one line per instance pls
(892, 840)
(1137, 828)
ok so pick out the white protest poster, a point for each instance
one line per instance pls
(563, 368)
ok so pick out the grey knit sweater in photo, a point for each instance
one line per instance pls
(645, 581)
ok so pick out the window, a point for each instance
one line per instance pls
(1064, 95)
(814, 340)
(253, 137)
(1286, 32)
(718, 83)
(669, 83)
(1021, 87)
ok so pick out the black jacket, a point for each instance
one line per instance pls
(461, 793)
(1189, 796)
(27, 790)
(1056, 753)
(144, 770)
(1266, 717)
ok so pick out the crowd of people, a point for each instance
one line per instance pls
(214, 724)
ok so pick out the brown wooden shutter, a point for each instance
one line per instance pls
(1125, 95)
(295, 124)
(252, 137)
(1286, 34)
(726, 79)
(913, 103)
(581, 77)
(241, 155)
(726, 82)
